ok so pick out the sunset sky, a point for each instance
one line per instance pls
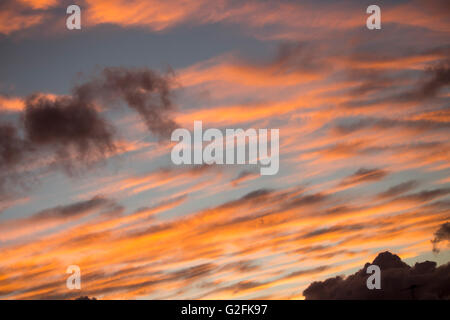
(86, 115)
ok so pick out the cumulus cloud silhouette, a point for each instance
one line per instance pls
(86, 298)
(399, 281)
(442, 234)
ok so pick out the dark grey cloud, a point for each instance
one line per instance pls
(77, 209)
(438, 77)
(66, 213)
(441, 235)
(369, 80)
(346, 126)
(13, 150)
(71, 131)
(194, 272)
(432, 80)
(399, 189)
(147, 92)
(67, 126)
(11, 146)
(398, 281)
(424, 195)
(390, 81)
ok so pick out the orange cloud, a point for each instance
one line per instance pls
(11, 104)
